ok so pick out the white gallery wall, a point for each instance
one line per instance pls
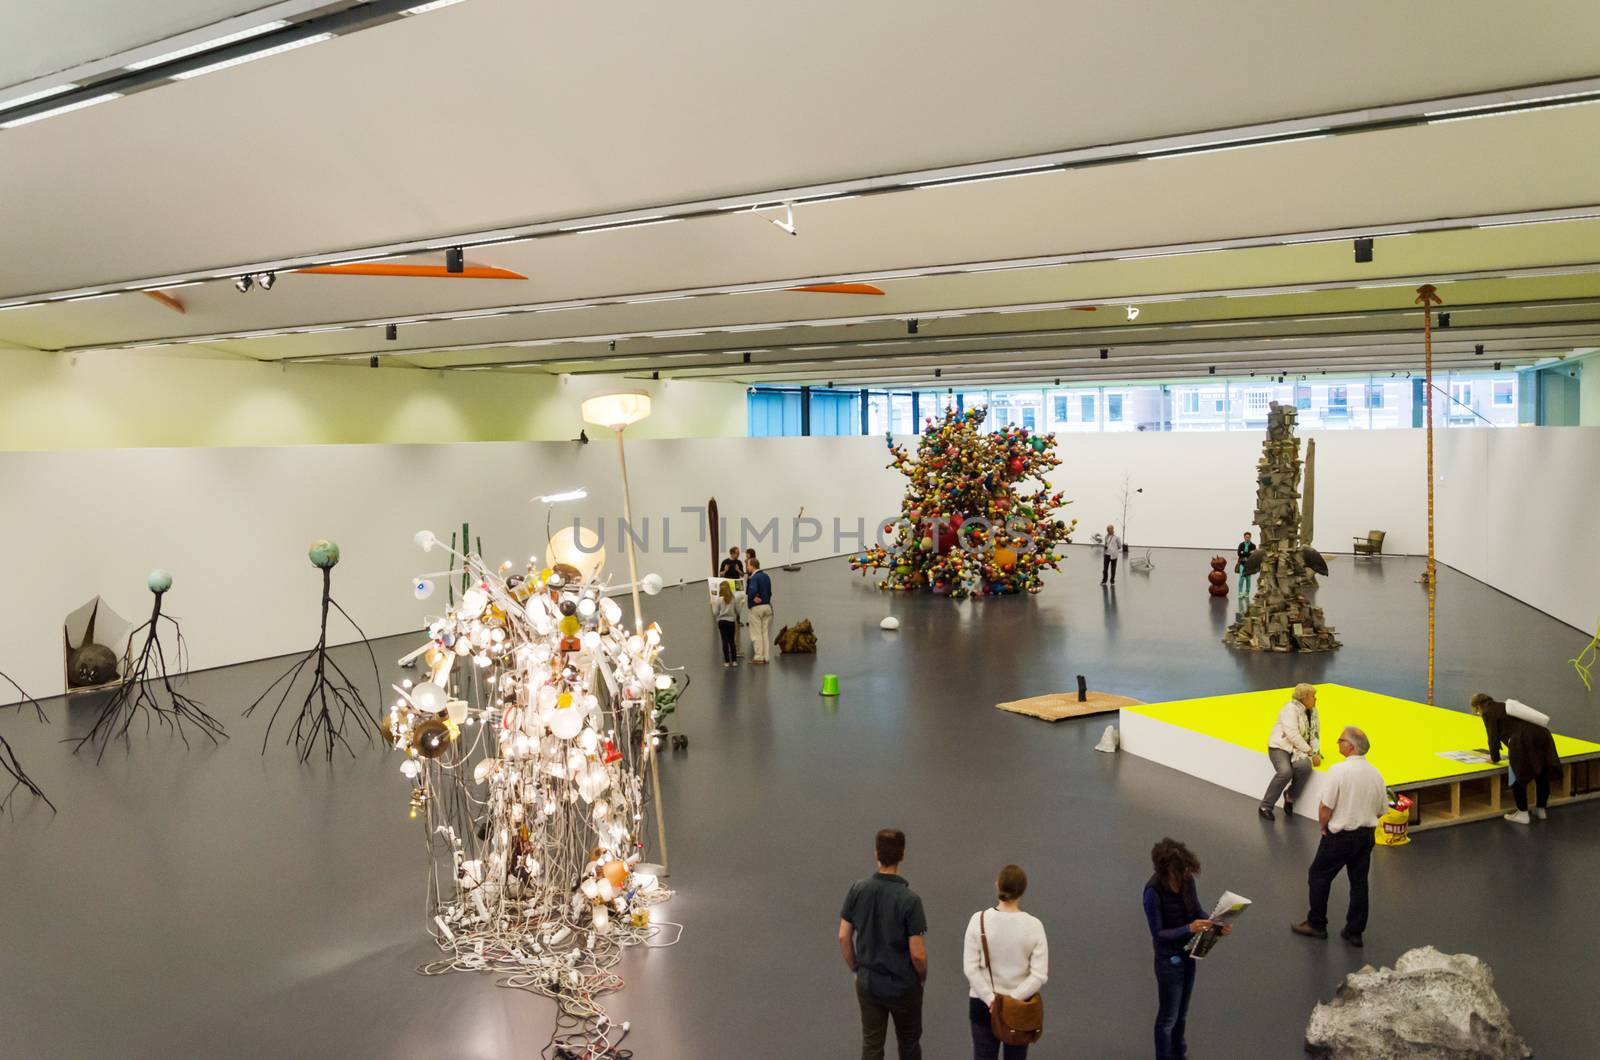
(232, 524)
(1520, 510)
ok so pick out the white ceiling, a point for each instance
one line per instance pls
(40, 37)
(500, 112)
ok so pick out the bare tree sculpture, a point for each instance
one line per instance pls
(333, 703)
(145, 680)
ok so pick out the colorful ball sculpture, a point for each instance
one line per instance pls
(964, 527)
(1218, 576)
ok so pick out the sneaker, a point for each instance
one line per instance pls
(1266, 813)
(1541, 813)
(1308, 931)
(1354, 940)
(1519, 817)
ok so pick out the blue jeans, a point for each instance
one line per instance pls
(1174, 986)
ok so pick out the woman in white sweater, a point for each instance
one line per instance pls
(1295, 748)
(1019, 961)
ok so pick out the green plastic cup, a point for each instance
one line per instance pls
(830, 684)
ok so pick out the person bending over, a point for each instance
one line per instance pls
(1295, 749)
(1531, 751)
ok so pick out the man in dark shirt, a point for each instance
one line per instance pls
(881, 931)
(731, 567)
(758, 602)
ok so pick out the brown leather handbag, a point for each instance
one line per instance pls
(1013, 1021)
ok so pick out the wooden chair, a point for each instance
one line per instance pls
(1371, 545)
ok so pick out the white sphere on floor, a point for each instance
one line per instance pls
(889, 623)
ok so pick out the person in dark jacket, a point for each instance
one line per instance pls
(1531, 753)
(1172, 909)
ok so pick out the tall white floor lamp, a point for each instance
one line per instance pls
(616, 411)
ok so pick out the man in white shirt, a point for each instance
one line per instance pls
(1353, 800)
(1108, 568)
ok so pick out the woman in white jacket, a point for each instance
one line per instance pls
(1019, 961)
(1295, 748)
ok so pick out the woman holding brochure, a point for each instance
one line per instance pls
(1173, 910)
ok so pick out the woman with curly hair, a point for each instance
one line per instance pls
(1173, 910)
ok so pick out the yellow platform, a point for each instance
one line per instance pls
(1409, 743)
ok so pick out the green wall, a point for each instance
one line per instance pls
(131, 400)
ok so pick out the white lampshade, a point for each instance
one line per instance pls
(617, 410)
(563, 548)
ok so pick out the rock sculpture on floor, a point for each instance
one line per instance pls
(1429, 1006)
(1281, 616)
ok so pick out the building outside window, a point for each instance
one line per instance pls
(1058, 405)
(1505, 392)
(1114, 408)
(1374, 395)
(1087, 403)
(877, 413)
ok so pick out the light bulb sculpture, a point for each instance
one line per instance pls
(145, 680)
(333, 705)
(524, 747)
(8, 757)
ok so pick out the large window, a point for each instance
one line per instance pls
(1360, 402)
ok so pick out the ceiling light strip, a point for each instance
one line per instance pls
(1262, 134)
(1577, 269)
(1576, 213)
(207, 45)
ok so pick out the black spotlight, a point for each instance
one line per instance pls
(242, 284)
(1497, 366)
(1478, 349)
(1104, 353)
(655, 375)
(747, 357)
(612, 345)
(372, 362)
(391, 331)
(938, 372)
(1212, 370)
(1444, 320)
(911, 327)
(1058, 382)
(455, 260)
(1363, 250)
(265, 280)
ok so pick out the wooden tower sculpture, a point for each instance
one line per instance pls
(1281, 616)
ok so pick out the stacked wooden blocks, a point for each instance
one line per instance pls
(1281, 616)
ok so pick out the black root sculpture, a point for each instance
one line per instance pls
(8, 757)
(333, 703)
(146, 680)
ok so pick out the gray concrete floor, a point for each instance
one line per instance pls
(221, 903)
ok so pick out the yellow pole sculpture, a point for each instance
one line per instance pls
(1427, 297)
